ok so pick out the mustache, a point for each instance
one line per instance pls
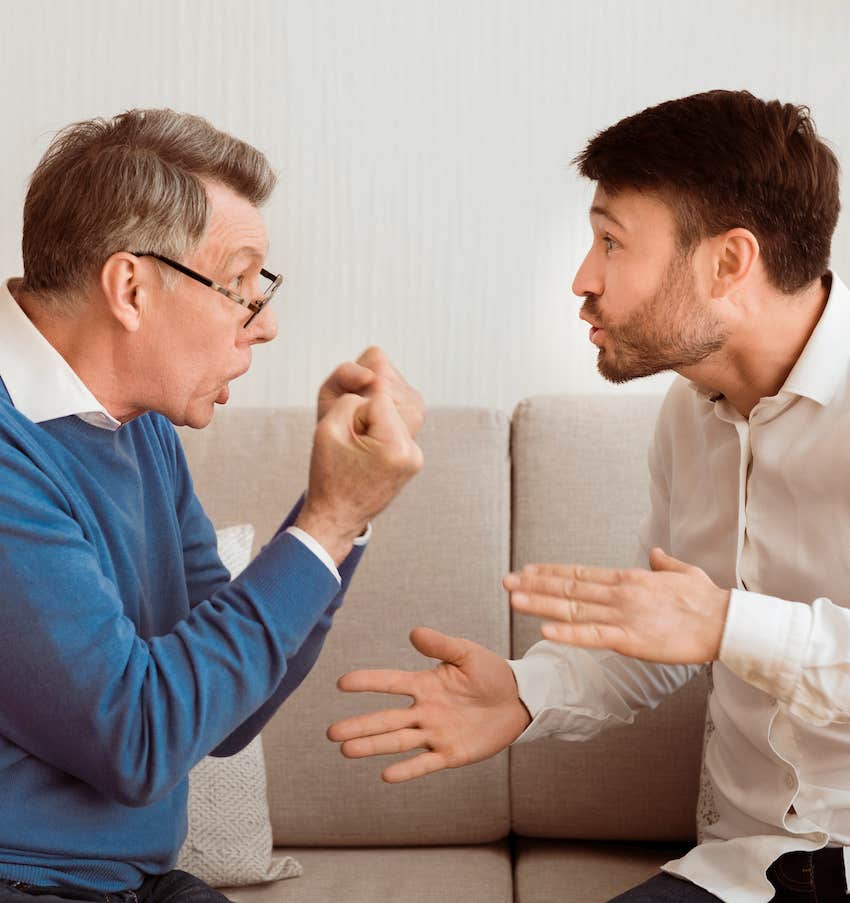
(591, 306)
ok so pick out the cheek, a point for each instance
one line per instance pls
(629, 285)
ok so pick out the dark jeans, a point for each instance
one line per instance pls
(172, 887)
(796, 877)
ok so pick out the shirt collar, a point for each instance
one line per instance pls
(40, 382)
(821, 368)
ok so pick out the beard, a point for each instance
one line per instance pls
(674, 329)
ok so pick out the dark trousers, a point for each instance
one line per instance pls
(172, 887)
(796, 877)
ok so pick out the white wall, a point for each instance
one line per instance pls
(426, 201)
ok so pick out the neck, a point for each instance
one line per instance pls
(88, 344)
(768, 336)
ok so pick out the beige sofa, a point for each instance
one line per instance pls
(564, 480)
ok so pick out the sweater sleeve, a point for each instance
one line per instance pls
(204, 575)
(298, 667)
(84, 692)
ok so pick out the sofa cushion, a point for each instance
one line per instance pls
(579, 492)
(436, 558)
(570, 872)
(404, 875)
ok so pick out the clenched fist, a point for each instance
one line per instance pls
(363, 453)
(370, 375)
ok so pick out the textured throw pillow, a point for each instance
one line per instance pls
(230, 836)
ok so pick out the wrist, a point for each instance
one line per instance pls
(722, 608)
(336, 540)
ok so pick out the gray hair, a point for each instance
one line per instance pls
(129, 183)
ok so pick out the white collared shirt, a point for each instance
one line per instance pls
(762, 504)
(43, 386)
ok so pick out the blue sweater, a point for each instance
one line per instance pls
(126, 654)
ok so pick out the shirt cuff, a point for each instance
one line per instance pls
(365, 536)
(317, 549)
(764, 641)
(533, 680)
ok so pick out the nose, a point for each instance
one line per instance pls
(590, 276)
(263, 328)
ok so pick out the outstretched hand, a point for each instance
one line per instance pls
(674, 613)
(464, 709)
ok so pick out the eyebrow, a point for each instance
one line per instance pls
(604, 211)
(245, 249)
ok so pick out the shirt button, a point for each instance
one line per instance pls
(790, 781)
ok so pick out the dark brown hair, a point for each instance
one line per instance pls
(725, 159)
(129, 183)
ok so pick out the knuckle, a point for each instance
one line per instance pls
(568, 587)
(595, 632)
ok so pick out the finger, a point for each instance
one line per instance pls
(344, 415)
(589, 636)
(381, 421)
(376, 359)
(434, 644)
(559, 587)
(417, 767)
(659, 560)
(378, 680)
(351, 377)
(384, 744)
(611, 576)
(368, 725)
(572, 611)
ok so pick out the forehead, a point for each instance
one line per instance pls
(632, 212)
(236, 228)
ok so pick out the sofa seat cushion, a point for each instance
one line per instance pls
(577, 872)
(401, 874)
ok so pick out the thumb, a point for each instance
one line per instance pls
(434, 644)
(659, 560)
(352, 377)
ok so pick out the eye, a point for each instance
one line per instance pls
(610, 243)
(236, 283)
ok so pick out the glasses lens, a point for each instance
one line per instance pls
(266, 286)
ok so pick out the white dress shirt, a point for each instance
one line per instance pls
(43, 386)
(762, 504)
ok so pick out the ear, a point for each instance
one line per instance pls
(125, 282)
(735, 253)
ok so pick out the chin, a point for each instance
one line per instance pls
(198, 420)
(195, 417)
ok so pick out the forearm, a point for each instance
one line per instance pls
(796, 652)
(298, 666)
(575, 693)
(128, 716)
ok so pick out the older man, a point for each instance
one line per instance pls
(712, 223)
(128, 654)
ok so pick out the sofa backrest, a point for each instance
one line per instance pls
(437, 558)
(579, 492)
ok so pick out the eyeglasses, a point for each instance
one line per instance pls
(254, 306)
